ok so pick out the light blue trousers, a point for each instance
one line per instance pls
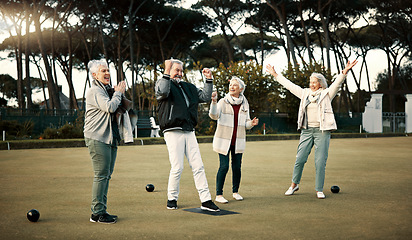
(308, 138)
(103, 159)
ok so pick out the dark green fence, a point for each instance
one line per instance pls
(278, 123)
(348, 123)
(269, 122)
(41, 119)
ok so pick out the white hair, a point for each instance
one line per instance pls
(176, 61)
(242, 84)
(94, 65)
(321, 79)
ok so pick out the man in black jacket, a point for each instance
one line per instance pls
(178, 106)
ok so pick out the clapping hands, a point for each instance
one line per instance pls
(121, 87)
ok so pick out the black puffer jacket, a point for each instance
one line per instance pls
(173, 112)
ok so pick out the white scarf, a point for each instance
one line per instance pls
(313, 96)
(234, 100)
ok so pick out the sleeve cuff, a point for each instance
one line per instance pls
(166, 76)
(117, 93)
(209, 80)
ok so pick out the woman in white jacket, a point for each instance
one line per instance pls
(316, 120)
(232, 115)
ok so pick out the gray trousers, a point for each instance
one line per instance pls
(103, 159)
(308, 138)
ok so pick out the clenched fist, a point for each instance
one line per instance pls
(207, 72)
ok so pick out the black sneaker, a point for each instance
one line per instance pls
(171, 204)
(95, 217)
(209, 206)
(113, 216)
(103, 218)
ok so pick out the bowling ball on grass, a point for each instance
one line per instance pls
(150, 187)
(335, 189)
(33, 215)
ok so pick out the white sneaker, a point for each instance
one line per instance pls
(320, 195)
(221, 199)
(237, 196)
(291, 190)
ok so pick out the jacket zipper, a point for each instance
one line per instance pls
(171, 110)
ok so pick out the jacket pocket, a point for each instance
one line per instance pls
(328, 117)
(328, 110)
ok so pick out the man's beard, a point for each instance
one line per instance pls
(177, 78)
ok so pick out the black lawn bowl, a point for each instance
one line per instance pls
(33, 215)
(150, 187)
(334, 189)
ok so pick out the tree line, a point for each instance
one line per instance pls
(138, 35)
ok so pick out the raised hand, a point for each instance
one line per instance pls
(207, 72)
(349, 65)
(270, 69)
(214, 97)
(168, 66)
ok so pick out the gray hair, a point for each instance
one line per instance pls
(94, 65)
(176, 61)
(242, 84)
(321, 79)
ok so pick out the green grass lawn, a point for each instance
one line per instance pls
(374, 175)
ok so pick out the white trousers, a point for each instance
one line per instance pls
(181, 144)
